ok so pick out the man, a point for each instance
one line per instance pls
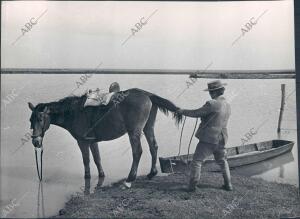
(212, 134)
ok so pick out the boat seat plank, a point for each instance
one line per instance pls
(262, 146)
(231, 151)
(246, 154)
(247, 148)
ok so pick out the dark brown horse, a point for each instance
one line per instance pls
(133, 112)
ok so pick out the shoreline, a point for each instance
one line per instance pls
(165, 197)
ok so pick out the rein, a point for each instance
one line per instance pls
(37, 165)
(191, 139)
(40, 173)
(180, 140)
(44, 129)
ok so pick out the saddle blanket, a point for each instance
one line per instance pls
(96, 98)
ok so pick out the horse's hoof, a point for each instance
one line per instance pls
(87, 176)
(152, 174)
(101, 174)
(62, 212)
(126, 185)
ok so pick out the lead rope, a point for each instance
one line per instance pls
(191, 141)
(36, 163)
(40, 200)
(41, 161)
(180, 140)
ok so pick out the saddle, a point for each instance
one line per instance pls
(97, 98)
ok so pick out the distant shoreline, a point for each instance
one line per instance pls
(138, 71)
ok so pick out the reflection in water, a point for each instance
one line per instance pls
(281, 171)
(86, 189)
(281, 168)
(40, 200)
(262, 167)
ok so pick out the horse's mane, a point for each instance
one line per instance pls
(66, 104)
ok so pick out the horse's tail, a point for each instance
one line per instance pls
(165, 106)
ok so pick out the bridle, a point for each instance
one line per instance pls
(44, 129)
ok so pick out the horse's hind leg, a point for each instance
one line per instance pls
(136, 118)
(84, 147)
(149, 134)
(96, 155)
(135, 141)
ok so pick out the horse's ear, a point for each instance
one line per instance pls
(46, 110)
(31, 106)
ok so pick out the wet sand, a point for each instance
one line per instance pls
(165, 197)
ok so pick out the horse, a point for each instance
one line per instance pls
(133, 112)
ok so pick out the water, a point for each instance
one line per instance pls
(252, 101)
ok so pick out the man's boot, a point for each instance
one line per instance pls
(194, 175)
(192, 186)
(226, 175)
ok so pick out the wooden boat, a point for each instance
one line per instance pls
(236, 156)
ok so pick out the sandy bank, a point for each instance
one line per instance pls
(165, 197)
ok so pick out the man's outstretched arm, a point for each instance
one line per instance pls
(202, 111)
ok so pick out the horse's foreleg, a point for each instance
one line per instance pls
(84, 147)
(135, 141)
(97, 159)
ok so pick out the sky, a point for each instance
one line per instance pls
(177, 35)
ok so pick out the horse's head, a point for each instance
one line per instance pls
(40, 122)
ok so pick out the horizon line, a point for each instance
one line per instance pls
(137, 71)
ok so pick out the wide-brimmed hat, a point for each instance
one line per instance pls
(215, 85)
